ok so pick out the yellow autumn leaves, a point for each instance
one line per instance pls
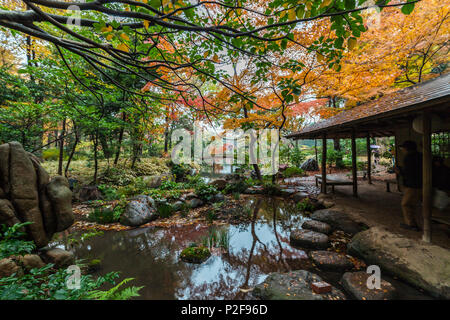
(108, 30)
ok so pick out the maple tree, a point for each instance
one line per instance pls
(396, 51)
(173, 44)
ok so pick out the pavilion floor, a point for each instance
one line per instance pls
(376, 207)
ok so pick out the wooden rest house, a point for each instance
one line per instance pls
(420, 113)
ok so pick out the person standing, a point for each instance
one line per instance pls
(411, 172)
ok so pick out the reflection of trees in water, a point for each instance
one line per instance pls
(151, 256)
(242, 269)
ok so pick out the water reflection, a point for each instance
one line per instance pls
(151, 255)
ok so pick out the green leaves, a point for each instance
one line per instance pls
(409, 7)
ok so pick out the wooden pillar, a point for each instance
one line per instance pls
(426, 184)
(369, 160)
(354, 166)
(324, 164)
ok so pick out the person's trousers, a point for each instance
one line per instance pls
(410, 201)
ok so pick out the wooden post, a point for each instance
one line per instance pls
(324, 164)
(426, 183)
(369, 160)
(354, 166)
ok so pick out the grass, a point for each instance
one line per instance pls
(216, 239)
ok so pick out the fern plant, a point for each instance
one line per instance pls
(115, 293)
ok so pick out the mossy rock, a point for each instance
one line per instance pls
(195, 254)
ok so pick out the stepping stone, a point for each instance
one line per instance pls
(299, 196)
(356, 284)
(338, 220)
(254, 190)
(286, 192)
(294, 285)
(309, 239)
(317, 226)
(332, 261)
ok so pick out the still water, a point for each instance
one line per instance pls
(255, 248)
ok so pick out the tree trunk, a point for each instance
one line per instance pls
(95, 141)
(337, 148)
(61, 147)
(122, 129)
(315, 151)
(77, 139)
(105, 147)
(166, 135)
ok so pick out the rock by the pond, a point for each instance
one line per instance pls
(8, 267)
(254, 190)
(220, 184)
(139, 211)
(299, 196)
(194, 254)
(286, 192)
(309, 165)
(317, 226)
(330, 260)
(355, 283)
(89, 193)
(328, 203)
(30, 261)
(421, 264)
(28, 195)
(309, 239)
(60, 196)
(294, 285)
(218, 198)
(338, 220)
(59, 257)
(155, 181)
(195, 203)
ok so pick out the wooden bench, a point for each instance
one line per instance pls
(332, 182)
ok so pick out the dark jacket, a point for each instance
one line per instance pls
(412, 170)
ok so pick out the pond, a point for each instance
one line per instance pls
(252, 250)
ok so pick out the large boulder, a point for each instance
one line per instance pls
(421, 264)
(331, 261)
(60, 196)
(309, 165)
(139, 211)
(338, 220)
(28, 195)
(355, 283)
(294, 285)
(309, 239)
(59, 257)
